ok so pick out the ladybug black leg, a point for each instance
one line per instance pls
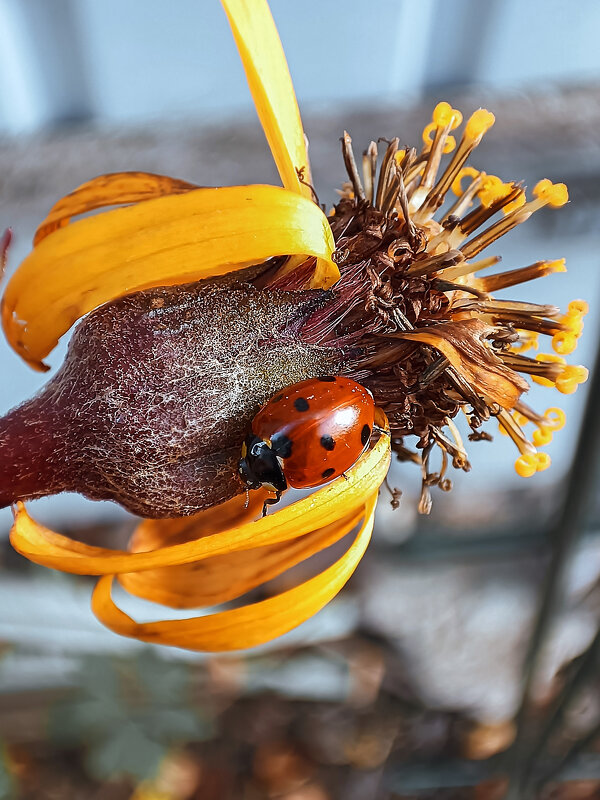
(270, 501)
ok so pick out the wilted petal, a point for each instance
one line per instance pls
(249, 625)
(462, 344)
(151, 534)
(116, 188)
(169, 240)
(223, 578)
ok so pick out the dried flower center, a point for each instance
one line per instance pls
(412, 317)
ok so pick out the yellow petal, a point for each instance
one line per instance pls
(151, 534)
(249, 625)
(223, 578)
(168, 240)
(117, 188)
(269, 79)
(333, 502)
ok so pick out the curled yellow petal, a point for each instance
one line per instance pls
(338, 500)
(151, 534)
(250, 625)
(223, 578)
(271, 86)
(116, 188)
(168, 240)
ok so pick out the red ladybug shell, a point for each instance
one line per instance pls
(318, 428)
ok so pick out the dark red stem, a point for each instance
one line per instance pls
(32, 461)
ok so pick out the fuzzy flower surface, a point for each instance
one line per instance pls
(408, 311)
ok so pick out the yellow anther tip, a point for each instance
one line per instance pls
(555, 194)
(526, 466)
(444, 114)
(543, 461)
(557, 266)
(566, 387)
(427, 131)
(528, 340)
(573, 321)
(449, 144)
(578, 306)
(570, 378)
(575, 373)
(564, 343)
(493, 189)
(542, 381)
(516, 203)
(549, 358)
(555, 418)
(542, 436)
(478, 123)
(466, 172)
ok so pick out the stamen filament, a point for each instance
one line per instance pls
(385, 172)
(517, 307)
(370, 170)
(474, 266)
(482, 213)
(466, 198)
(502, 280)
(495, 231)
(426, 266)
(351, 168)
(514, 430)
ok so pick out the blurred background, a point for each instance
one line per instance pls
(411, 683)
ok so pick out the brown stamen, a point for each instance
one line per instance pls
(502, 280)
(464, 201)
(495, 231)
(426, 266)
(515, 432)
(370, 170)
(386, 171)
(351, 168)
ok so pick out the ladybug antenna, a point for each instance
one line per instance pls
(247, 503)
(271, 501)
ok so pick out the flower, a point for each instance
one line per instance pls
(410, 317)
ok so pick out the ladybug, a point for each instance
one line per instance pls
(307, 435)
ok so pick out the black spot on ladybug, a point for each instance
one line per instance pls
(277, 399)
(365, 434)
(327, 379)
(301, 404)
(328, 442)
(281, 445)
(327, 473)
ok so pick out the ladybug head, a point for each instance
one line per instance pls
(259, 465)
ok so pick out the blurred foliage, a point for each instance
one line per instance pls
(338, 720)
(7, 784)
(128, 714)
